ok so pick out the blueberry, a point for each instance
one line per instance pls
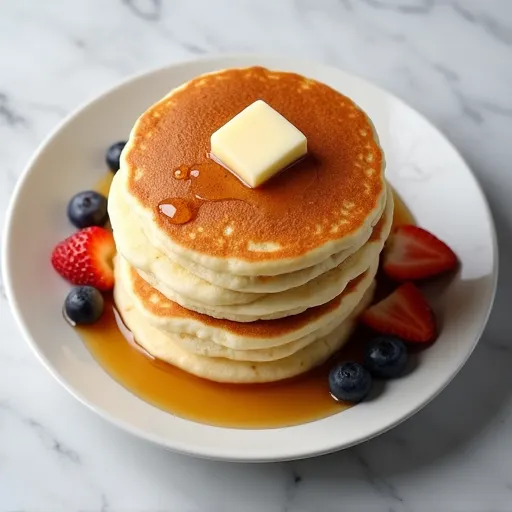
(386, 357)
(350, 382)
(83, 305)
(113, 154)
(88, 209)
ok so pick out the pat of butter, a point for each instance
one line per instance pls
(257, 143)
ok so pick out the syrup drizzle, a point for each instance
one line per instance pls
(210, 181)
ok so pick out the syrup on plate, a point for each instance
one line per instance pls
(291, 402)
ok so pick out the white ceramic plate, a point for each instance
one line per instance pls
(422, 165)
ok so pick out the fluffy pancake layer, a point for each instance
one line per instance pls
(268, 365)
(192, 292)
(169, 316)
(319, 207)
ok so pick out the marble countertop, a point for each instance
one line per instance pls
(450, 59)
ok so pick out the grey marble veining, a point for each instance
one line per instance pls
(450, 59)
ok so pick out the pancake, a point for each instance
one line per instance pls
(295, 300)
(186, 277)
(268, 284)
(164, 347)
(208, 348)
(170, 317)
(322, 205)
(184, 287)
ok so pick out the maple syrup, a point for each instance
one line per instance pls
(401, 215)
(210, 181)
(291, 402)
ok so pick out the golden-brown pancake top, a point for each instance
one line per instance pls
(326, 196)
(157, 304)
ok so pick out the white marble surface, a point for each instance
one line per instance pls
(452, 60)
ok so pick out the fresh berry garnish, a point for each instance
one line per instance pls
(113, 155)
(405, 313)
(88, 208)
(85, 258)
(83, 305)
(350, 382)
(385, 357)
(413, 253)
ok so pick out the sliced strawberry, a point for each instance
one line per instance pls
(85, 258)
(413, 253)
(405, 313)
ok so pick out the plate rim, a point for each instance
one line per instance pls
(213, 453)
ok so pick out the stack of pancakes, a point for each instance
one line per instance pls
(250, 285)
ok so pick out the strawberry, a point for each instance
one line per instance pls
(405, 313)
(412, 253)
(85, 258)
